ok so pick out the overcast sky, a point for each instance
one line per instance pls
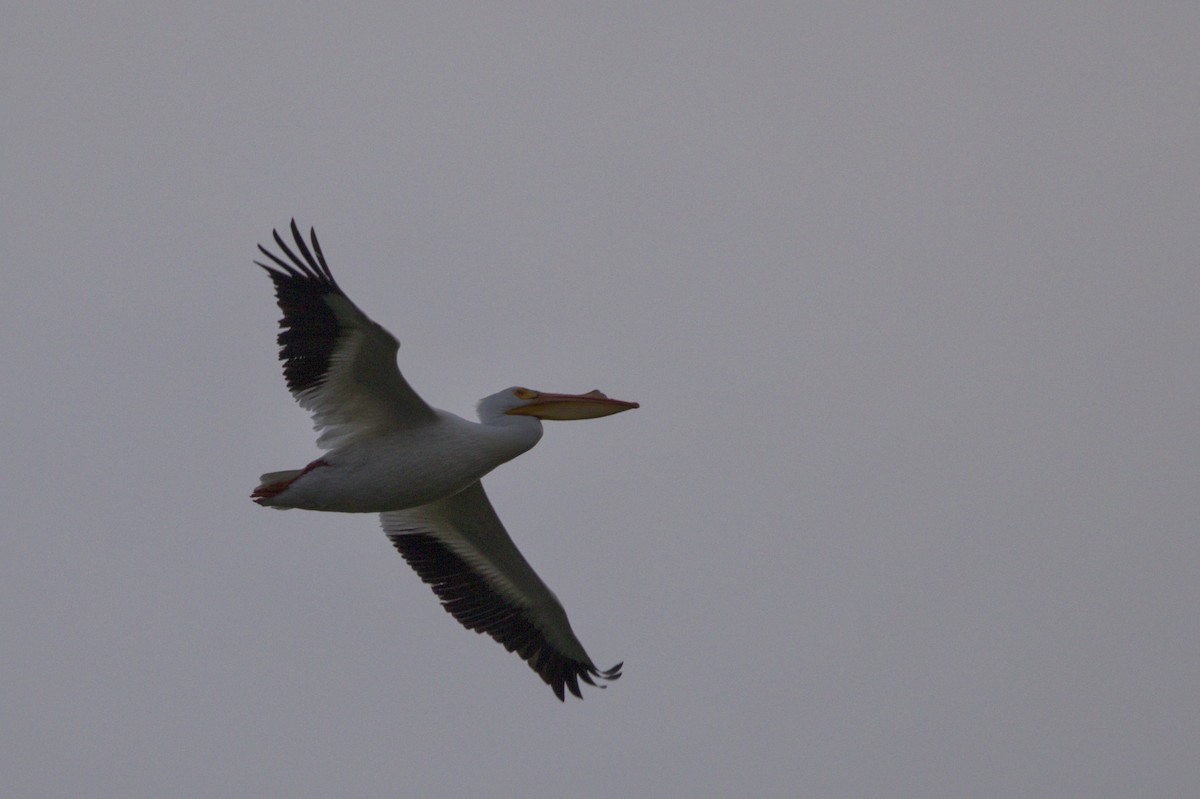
(908, 295)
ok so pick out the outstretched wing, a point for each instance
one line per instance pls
(459, 546)
(339, 365)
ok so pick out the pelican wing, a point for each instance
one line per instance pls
(460, 548)
(339, 365)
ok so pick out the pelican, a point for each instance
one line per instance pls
(419, 468)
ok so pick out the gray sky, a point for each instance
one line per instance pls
(907, 293)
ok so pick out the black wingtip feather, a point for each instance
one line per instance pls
(310, 329)
(318, 265)
(467, 597)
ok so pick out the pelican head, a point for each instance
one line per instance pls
(518, 401)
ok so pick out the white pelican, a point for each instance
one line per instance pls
(419, 467)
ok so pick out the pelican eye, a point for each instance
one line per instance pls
(525, 393)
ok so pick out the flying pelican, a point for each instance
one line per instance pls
(419, 467)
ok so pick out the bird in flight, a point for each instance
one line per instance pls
(418, 467)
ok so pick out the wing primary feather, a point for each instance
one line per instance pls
(309, 329)
(312, 232)
(471, 600)
(291, 270)
(320, 268)
(287, 251)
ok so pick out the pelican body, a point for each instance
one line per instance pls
(390, 453)
(406, 468)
